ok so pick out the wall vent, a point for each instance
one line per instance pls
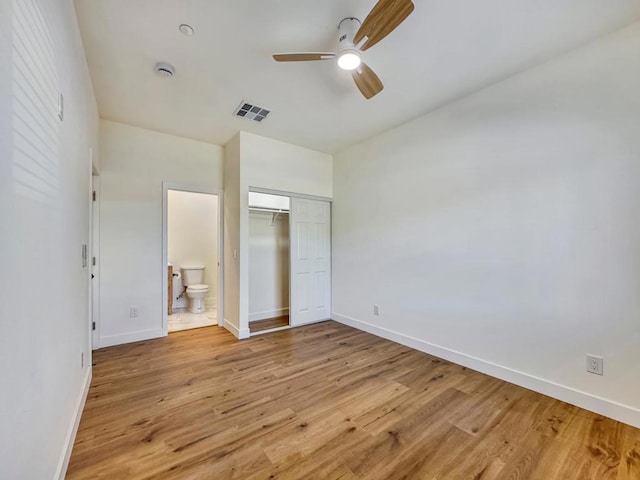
(251, 112)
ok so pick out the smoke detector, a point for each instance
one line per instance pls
(165, 70)
(251, 112)
(186, 30)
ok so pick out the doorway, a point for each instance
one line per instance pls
(268, 262)
(192, 248)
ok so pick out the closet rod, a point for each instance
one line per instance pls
(270, 210)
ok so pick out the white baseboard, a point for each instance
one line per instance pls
(602, 406)
(240, 333)
(178, 304)
(311, 322)
(112, 340)
(211, 302)
(70, 439)
(278, 312)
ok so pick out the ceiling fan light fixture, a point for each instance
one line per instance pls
(349, 60)
(354, 38)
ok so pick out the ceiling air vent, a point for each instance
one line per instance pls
(251, 112)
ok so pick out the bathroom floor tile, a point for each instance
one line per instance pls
(186, 320)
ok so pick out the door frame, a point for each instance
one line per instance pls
(284, 193)
(166, 186)
(94, 253)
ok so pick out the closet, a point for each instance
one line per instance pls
(268, 261)
(289, 261)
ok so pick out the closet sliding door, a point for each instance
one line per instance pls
(310, 261)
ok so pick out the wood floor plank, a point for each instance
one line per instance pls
(630, 462)
(268, 323)
(373, 457)
(326, 401)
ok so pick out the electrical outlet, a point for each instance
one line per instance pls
(81, 359)
(595, 365)
(133, 312)
(376, 309)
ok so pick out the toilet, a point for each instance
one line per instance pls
(192, 278)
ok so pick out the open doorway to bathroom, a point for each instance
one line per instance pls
(268, 262)
(192, 277)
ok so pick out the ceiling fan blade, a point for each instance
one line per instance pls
(303, 57)
(382, 20)
(367, 81)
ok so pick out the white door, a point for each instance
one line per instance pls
(310, 261)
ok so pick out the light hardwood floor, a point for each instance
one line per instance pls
(328, 402)
(269, 323)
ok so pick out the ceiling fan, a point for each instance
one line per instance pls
(354, 38)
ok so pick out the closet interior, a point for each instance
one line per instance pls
(269, 258)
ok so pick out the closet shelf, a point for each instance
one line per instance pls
(269, 210)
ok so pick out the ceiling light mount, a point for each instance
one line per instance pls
(186, 30)
(348, 26)
(349, 56)
(165, 70)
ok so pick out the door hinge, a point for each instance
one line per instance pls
(93, 195)
(93, 325)
(93, 261)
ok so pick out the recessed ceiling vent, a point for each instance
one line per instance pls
(252, 112)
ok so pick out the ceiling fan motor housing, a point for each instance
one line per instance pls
(346, 31)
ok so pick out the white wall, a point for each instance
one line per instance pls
(44, 213)
(255, 161)
(502, 231)
(192, 232)
(134, 163)
(232, 236)
(276, 165)
(268, 265)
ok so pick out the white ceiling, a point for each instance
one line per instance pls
(444, 50)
